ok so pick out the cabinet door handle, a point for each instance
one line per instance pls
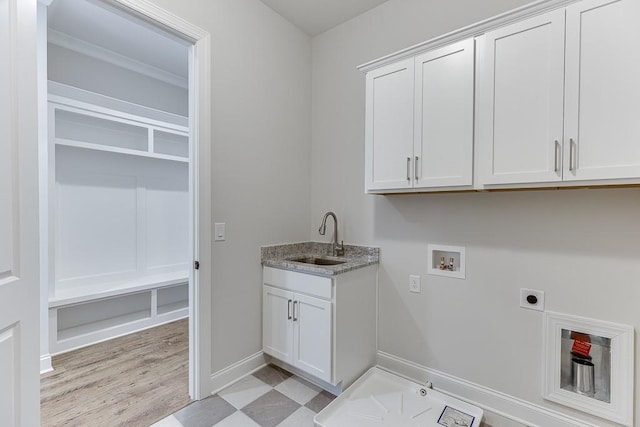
(557, 158)
(408, 169)
(415, 168)
(295, 316)
(572, 155)
(289, 309)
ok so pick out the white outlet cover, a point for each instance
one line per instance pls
(539, 305)
(414, 283)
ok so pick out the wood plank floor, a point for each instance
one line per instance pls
(130, 381)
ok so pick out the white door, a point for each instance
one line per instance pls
(521, 101)
(389, 127)
(602, 90)
(19, 289)
(312, 336)
(443, 125)
(277, 323)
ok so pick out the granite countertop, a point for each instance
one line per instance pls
(281, 256)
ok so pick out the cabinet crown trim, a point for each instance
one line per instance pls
(473, 30)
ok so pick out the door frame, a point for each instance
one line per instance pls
(199, 182)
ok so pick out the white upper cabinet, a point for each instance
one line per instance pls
(389, 129)
(602, 126)
(521, 76)
(551, 111)
(443, 125)
(419, 121)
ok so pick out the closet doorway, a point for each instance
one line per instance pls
(118, 203)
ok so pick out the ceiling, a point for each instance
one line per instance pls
(317, 16)
(94, 28)
(83, 24)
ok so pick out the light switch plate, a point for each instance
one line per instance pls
(219, 231)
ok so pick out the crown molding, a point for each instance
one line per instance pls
(472, 30)
(66, 41)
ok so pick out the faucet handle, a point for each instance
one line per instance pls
(340, 249)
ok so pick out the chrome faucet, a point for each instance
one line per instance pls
(338, 249)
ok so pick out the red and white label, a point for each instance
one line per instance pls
(582, 348)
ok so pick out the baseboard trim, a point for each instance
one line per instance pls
(500, 409)
(45, 364)
(231, 374)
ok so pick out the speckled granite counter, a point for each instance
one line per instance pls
(281, 256)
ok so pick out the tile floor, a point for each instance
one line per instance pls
(271, 397)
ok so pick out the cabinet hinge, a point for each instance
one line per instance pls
(196, 265)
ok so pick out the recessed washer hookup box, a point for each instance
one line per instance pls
(379, 398)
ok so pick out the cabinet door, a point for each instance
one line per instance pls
(312, 336)
(389, 127)
(443, 125)
(277, 325)
(602, 126)
(521, 101)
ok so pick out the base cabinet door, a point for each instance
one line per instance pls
(277, 325)
(521, 77)
(312, 336)
(602, 130)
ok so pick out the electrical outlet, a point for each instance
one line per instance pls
(532, 299)
(414, 283)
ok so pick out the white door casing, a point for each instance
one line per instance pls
(19, 253)
(200, 184)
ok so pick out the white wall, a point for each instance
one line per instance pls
(579, 246)
(261, 155)
(84, 72)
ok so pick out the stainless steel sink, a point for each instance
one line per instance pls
(318, 260)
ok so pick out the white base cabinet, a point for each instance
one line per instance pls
(323, 326)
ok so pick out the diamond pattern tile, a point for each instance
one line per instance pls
(319, 402)
(272, 375)
(270, 397)
(204, 413)
(271, 409)
(298, 389)
(244, 391)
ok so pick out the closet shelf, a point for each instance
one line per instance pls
(110, 149)
(80, 295)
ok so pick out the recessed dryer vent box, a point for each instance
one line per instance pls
(447, 261)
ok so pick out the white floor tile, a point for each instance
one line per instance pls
(244, 391)
(294, 389)
(303, 417)
(238, 419)
(170, 421)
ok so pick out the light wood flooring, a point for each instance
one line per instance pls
(130, 381)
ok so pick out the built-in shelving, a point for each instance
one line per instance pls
(118, 215)
(81, 125)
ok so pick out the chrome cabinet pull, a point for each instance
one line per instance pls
(289, 309)
(295, 316)
(572, 155)
(408, 169)
(556, 165)
(415, 168)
